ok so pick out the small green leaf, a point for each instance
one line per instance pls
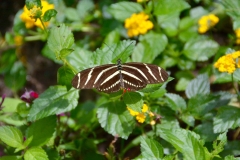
(54, 100)
(123, 10)
(50, 54)
(200, 49)
(232, 7)
(23, 110)
(31, 3)
(65, 76)
(227, 117)
(205, 130)
(199, 85)
(176, 102)
(49, 14)
(60, 38)
(186, 142)
(36, 153)
(72, 14)
(112, 37)
(16, 77)
(41, 131)
(133, 100)
(11, 136)
(11, 157)
(116, 119)
(7, 60)
(153, 44)
(151, 149)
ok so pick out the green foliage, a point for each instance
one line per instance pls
(193, 115)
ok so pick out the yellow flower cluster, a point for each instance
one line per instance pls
(18, 40)
(227, 63)
(206, 22)
(140, 116)
(237, 32)
(30, 17)
(138, 24)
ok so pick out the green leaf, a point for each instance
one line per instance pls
(219, 143)
(11, 136)
(72, 14)
(50, 54)
(116, 119)
(49, 14)
(23, 110)
(200, 49)
(36, 153)
(165, 7)
(200, 105)
(199, 85)
(205, 130)
(123, 10)
(81, 58)
(110, 54)
(133, 100)
(7, 60)
(84, 7)
(152, 44)
(232, 7)
(231, 157)
(150, 88)
(11, 157)
(60, 38)
(54, 100)
(158, 93)
(112, 37)
(10, 104)
(151, 149)
(231, 148)
(31, 3)
(41, 131)
(16, 77)
(186, 142)
(227, 117)
(65, 76)
(175, 102)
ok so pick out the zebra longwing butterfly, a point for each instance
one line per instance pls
(111, 77)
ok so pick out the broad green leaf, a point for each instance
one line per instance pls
(227, 117)
(116, 119)
(175, 102)
(187, 118)
(199, 105)
(165, 7)
(158, 93)
(84, 7)
(133, 100)
(7, 60)
(11, 136)
(169, 23)
(200, 49)
(112, 37)
(151, 88)
(60, 38)
(16, 77)
(123, 10)
(110, 54)
(231, 157)
(224, 98)
(153, 44)
(11, 158)
(186, 142)
(35, 153)
(10, 104)
(81, 58)
(49, 14)
(65, 76)
(231, 148)
(72, 14)
(219, 143)
(41, 131)
(151, 149)
(50, 54)
(31, 3)
(65, 52)
(182, 84)
(54, 100)
(232, 7)
(205, 130)
(199, 85)
(23, 110)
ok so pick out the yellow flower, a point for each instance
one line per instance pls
(150, 114)
(237, 32)
(18, 40)
(132, 112)
(153, 122)
(206, 22)
(145, 108)
(138, 24)
(140, 117)
(227, 63)
(31, 18)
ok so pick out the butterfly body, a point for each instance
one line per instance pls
(110, 78)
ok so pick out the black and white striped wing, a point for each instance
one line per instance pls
(140, 74)
(99, 78)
